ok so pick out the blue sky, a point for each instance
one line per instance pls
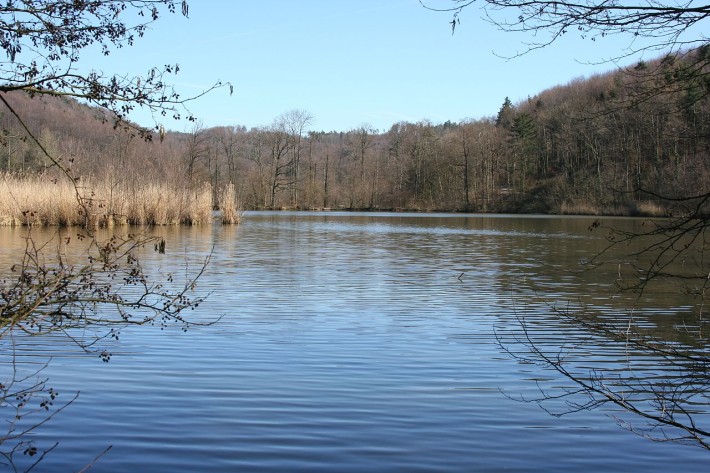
(348, 62)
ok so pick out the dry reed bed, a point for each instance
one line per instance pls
(231, 214)
(641, 209)
(40, 200)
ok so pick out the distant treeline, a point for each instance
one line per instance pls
(609, 144)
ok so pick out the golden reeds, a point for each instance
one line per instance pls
(228, 205)
(41, 200)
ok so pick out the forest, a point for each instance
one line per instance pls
(621, 143)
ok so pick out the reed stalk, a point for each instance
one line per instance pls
(228, 205)
(41, 200)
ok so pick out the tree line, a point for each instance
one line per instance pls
(615, 143)
(624, 142)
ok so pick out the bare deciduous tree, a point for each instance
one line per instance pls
(43, 41)
(662, 24)
(650, 386)
(672, 406)
(296, 122)
(46, 291)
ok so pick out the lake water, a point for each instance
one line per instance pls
(356, 342)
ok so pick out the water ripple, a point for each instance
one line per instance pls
(352, 342)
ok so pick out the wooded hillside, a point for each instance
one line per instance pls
(609, 144)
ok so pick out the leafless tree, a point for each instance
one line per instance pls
(197, 150)
(87, 296)
(673, 406)
(295, 123)
(663, 25)
(652, 387)
(43, 41)
(88, 300)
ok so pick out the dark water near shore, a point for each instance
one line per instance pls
(356, 342)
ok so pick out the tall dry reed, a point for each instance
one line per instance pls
(228, 205)
(41, 200)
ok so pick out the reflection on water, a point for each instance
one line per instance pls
(354, 342)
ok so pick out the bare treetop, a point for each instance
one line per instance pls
(664, 24)
(43, 41)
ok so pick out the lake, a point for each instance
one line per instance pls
(357, 342)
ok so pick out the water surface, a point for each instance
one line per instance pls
(354, 342)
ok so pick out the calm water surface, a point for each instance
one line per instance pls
(354, 342)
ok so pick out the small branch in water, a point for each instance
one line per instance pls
(90, 465)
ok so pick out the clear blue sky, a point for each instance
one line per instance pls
(349, 62)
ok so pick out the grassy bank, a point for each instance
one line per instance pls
(42, 200)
